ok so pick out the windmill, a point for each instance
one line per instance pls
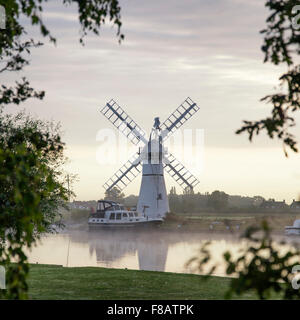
(152, 158)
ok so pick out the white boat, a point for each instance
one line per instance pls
(113, 214)
(294, 229)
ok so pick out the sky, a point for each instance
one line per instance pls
(206, 50)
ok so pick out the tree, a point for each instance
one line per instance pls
(131, 200)
(32, 191)
(260, 266)
(218, 200)
(114, 194)
(258, 200)
(173, 191)
(174, 200)
(14, 50)
(281, 46)
(188, 200)
(31, 153)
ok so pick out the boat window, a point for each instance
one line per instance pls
(107, 205)
(130, 214)
(136, 214)
(100, 206)
(122, 208)
(118, 216)
(117, 208)
(125, 215)
(112, 216)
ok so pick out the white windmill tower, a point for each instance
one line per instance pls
(152, 158)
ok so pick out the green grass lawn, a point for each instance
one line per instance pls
(56, 282)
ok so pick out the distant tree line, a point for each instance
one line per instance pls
(217, 201)
(190, 202)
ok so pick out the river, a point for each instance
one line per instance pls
(156, 250)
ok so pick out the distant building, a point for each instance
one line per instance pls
(81, 205)
(295, 206)
(272, 205)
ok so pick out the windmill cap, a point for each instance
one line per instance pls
(156, 123)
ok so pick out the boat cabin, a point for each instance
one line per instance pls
(113, 211)
(294, 229)
(110, 213)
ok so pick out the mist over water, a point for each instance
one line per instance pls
(155, 250)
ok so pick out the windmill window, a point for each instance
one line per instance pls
(118, 217)
(112, 216)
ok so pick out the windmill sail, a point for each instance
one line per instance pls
(179, 173)
(125, 174)
(121, 120)
(179, 117)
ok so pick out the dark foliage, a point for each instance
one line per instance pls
(31, 152)
(262, 267)
(281, 45)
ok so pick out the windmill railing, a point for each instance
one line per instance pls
(123, 122)
(126, 174)
(179, 116)
(180, 174)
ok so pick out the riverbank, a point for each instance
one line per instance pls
(203, 222)
(228, 222)
(60, 283)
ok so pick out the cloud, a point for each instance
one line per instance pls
(209, 50)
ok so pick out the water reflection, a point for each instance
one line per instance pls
(156, 250)
(148, 249)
